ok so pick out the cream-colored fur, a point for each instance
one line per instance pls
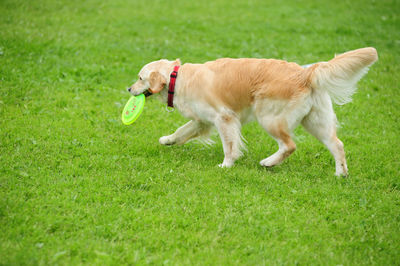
(229, 92)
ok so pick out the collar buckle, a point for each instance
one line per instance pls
(169, 109)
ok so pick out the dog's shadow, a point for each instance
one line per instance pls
(194, 152)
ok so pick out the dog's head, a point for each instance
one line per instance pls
(153, 77)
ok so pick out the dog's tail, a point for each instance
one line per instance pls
(340, 75)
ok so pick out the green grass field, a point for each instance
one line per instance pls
(79, 187)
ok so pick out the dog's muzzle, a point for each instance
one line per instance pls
(146, 93)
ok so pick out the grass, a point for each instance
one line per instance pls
(78, 187)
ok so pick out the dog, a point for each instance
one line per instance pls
(280, 95)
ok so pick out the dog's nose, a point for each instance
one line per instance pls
(129, 89)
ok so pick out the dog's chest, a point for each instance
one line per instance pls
(186, 108)
(196, 110)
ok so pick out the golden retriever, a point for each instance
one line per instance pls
(280, 95)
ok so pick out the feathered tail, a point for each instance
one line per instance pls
(340, 75)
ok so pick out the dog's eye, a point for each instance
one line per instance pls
(140, 78)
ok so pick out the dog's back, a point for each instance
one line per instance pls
(238, 82)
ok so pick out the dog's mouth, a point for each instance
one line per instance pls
(147, 93)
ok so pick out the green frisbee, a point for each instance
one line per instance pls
(133, 109)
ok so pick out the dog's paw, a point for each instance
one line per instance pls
(267, 162)
(221, 165)
(226, 164)
(341, 174)
(166, 140)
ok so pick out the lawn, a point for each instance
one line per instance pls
(79, 187)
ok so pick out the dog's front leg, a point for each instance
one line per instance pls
(191, 129)
(228, 127)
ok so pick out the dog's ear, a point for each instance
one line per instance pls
(157, 82)
(177, 62)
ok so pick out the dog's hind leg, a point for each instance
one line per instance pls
(188, 131)
(279, 118)
(228, 126)
(321, 123)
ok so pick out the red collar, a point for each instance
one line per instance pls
(171, 88)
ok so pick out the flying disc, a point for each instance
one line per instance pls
(133, 109)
